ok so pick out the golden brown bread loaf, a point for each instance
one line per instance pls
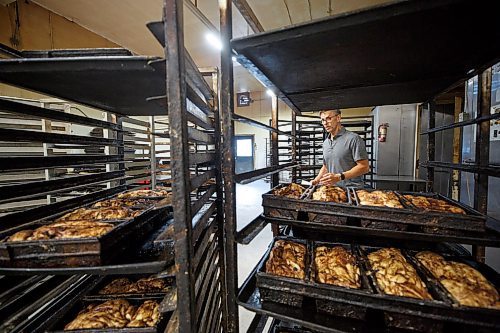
(287, 259)
(337, 266)
(116, 203)
(330, 193)
(125, 286)
(116, 314)
(395, 276)
(292, 190)
(379, 199)
(110, 314)
(464, 283)
(147, 315)
(63, 230)
(114, 213)
(433, 204)
(143, 193)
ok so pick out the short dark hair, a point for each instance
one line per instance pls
(337, 111)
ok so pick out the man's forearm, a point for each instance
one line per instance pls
(358, 170)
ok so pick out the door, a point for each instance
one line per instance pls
(244, 153)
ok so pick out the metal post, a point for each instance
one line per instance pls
(176, 95)
(48, 151)
(457, 148)
(152, 150)
(275, 179)
(227, 126)
(431, 145)
(294, 146)
(220, 196)
(482, 152)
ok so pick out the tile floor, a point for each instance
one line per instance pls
(248, 206)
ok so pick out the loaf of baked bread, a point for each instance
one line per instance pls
(115, 203)
(126, 286)
(114, 213)
(466, 285)
(292, 190)
(117, 313)
(63, 230)
(395, 275)
(143, 193)
(287, 259)
(330, 193)
(379, 199)
(433, 204)
(337, 266)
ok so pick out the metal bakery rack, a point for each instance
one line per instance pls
(62, 159)
(395, 53)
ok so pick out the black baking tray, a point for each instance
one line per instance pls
(403, 320)
(281, 206)
(249, 298)
(333, 206)
(382, 218)
(94, 293)
(71, 313)
(438, 311)
(332, 307)
(409, 215)
(270, 284)
(490, 274)
(472, 220)
(91, 251)
(290, 291)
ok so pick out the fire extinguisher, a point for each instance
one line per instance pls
(382, 132)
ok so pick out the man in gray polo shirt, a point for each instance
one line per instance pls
(344, 154)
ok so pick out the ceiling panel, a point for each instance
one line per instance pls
(271, 14)
(320, 8)
(299, 10)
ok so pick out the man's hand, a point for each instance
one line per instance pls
(330, 179)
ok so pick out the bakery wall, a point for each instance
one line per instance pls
(27, 26)
(260, 110)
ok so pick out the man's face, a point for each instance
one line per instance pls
(330, 120)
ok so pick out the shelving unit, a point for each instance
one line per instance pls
(414, 56)
(124, 85)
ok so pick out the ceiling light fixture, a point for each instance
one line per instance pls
(270, 93)
(214, 40)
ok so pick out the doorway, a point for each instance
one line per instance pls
(244, 160)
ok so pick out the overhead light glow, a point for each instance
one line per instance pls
(270, 93)
(234, 58)
(214, 41)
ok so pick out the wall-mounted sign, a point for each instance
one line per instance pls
(243, 99)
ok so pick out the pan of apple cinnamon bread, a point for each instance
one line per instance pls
(281, 201)
(338, 265)
(286, 259)
(82, 237)
(465, 284)
(419, 212)
(113, 315)
(136, 285)
(334, 197)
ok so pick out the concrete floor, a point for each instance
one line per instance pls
(249, 206)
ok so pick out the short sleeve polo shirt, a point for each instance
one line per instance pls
(341, 152)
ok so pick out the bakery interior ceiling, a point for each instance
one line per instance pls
(124, 23)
